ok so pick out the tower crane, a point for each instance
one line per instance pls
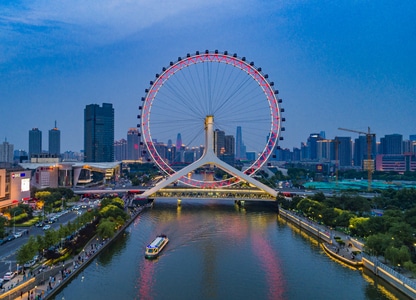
(368, 163)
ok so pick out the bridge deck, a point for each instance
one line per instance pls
(225, 193)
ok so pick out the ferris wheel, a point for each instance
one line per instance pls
(240, 97)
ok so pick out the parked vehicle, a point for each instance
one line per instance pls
(9, 276)
(46, 227)
(18, 234)
(29, 264)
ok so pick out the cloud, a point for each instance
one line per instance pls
(116, 19)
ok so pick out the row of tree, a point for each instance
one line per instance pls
(104, 222)
(387, 223)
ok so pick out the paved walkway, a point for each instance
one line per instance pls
(44, 280)
(38, 283)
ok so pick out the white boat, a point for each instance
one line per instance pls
(155, 247)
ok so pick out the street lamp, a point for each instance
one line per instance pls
(14, 222)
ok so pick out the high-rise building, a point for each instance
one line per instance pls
(323, 149)
(35, 142)
(392, 144)
(313, 146)
(219, 142)
(6, 152)
(344, 150)
(133, 144)
(178, 142)
(20, 156)
(361, 150)
(99, 133)
(239, 144)
(55, 141)
(120, 150)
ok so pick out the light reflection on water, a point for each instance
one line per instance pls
(218, 251)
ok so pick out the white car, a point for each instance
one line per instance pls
(9, 276)
(29, 264)
(18, 234)
(46, 227)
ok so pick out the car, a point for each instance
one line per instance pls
(39, 224)
(36, 258)
(18, 234)
(9, 276)
(11, 237)
(29, 264)
(46, 227)
(3, 241)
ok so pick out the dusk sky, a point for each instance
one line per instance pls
(348, 64)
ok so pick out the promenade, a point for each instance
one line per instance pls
(350, 251)
(43, 281)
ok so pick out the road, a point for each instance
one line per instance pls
(9, 249)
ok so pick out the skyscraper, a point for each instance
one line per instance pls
(344, 150)
(219, 142)
(392, 144)
(120, 150)
(178, 142)
(238, 143)
(55, 141)
(133, 144)
(35, 142)
(6, 152)
(312, 145)
(99, 133)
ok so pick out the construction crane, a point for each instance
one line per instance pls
(368, 163)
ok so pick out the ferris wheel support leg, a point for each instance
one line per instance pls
(209, 157)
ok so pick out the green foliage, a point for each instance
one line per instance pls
(27, 251)
(3, 222)
(51, 238)
(106, 228)
(358, 225)
(377, 244)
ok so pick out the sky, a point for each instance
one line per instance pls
(349, 64)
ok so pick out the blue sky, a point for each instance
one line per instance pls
(348, 64)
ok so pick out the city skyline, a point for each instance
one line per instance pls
(129, 133)
(348, 65)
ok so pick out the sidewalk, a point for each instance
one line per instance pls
(44, 281)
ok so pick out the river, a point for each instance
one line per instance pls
(220, 251)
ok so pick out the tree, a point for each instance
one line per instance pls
(106, 229)
(51, 238)
(3, 221)
(27, 251)
(358, 226)
(377, 244)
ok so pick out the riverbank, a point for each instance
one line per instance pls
(46, 281)
(349, 254)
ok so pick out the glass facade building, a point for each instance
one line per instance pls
(99, 133)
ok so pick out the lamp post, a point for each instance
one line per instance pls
(14, 222)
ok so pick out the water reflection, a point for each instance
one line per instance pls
(219, 251)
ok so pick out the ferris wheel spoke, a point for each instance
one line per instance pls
(232, 91)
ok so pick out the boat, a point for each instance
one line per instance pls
(156, 246)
